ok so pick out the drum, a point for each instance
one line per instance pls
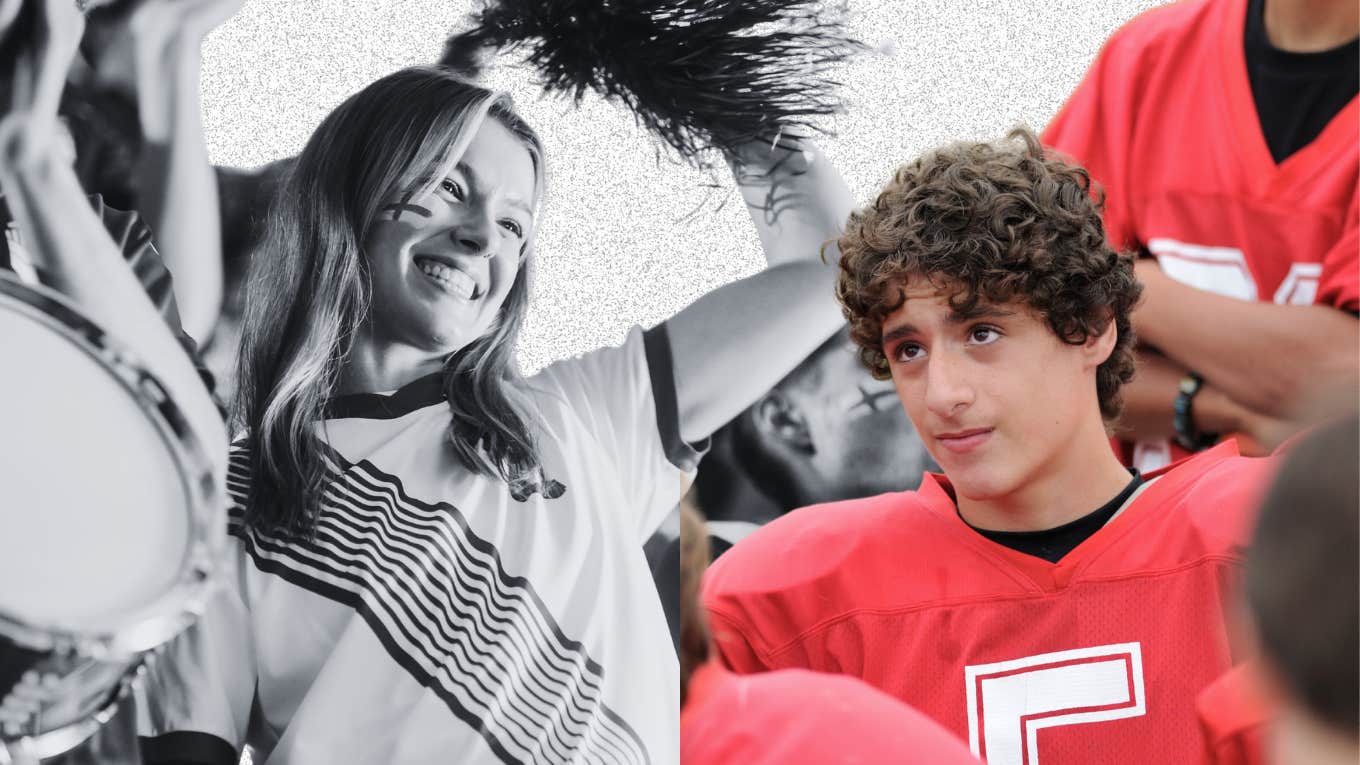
(111, 522)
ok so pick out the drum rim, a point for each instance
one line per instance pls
(166, 614)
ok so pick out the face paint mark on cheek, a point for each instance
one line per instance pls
(405, 205)
(872, 400)
(398, 209)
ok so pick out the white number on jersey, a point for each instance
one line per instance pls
(1010, 701)
(1300, 285)
(1220, 270)
(1223, 271)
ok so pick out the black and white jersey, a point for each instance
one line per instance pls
(434, 617)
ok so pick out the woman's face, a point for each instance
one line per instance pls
(442, 263)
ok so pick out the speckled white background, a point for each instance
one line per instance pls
(614, 246)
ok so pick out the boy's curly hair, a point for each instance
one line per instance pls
(996, 223)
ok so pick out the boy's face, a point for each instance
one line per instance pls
(997, 398)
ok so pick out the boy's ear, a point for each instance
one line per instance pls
(1099, 346)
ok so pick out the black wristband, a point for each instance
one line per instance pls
(1183, 417)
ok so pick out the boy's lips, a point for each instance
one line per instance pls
(964, 441)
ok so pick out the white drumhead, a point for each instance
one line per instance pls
(94, 518)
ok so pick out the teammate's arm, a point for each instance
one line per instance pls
(1262, 355)
(1149, 399)
(765, 324)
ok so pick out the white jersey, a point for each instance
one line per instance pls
(434, 617)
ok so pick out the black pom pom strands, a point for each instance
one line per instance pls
(699, 74)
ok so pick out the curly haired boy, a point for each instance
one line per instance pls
(1039, 599)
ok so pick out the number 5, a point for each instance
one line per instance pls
(1009, 701)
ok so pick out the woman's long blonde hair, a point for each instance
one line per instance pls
(309, 290)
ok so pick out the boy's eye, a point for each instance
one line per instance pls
(909, 352)
(983, 335)
(452, 188)
(513, 227)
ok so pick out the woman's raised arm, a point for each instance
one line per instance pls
(733, 344)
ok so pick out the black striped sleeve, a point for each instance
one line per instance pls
(187, 748)
(660, 366)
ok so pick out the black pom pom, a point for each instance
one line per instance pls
(699, 74)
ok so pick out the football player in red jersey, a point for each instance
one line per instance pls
(1224, 135)
(1038, 598)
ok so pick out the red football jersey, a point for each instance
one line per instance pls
(795, 716)
(1165, 121)
(1235, 715)
(1096, 658)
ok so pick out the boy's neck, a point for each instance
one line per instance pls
(1310, 26)
(1074, 483)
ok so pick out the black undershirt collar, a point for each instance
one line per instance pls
(1296, 94)
(1053, 544)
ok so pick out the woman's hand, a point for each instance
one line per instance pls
(765, 324)
(796, 198)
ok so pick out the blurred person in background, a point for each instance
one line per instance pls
(60, 235)
(135, 106)
(825, 432)
(115, 159)
(1298, 703)
(131, 93)
(94, 132)
(39, 244)
(1225, 137)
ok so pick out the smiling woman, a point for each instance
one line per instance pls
(441, 270)
(417, 525)
(341, 307)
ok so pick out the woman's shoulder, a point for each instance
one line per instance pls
(629, 354)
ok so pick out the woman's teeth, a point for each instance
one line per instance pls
(451, 279)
